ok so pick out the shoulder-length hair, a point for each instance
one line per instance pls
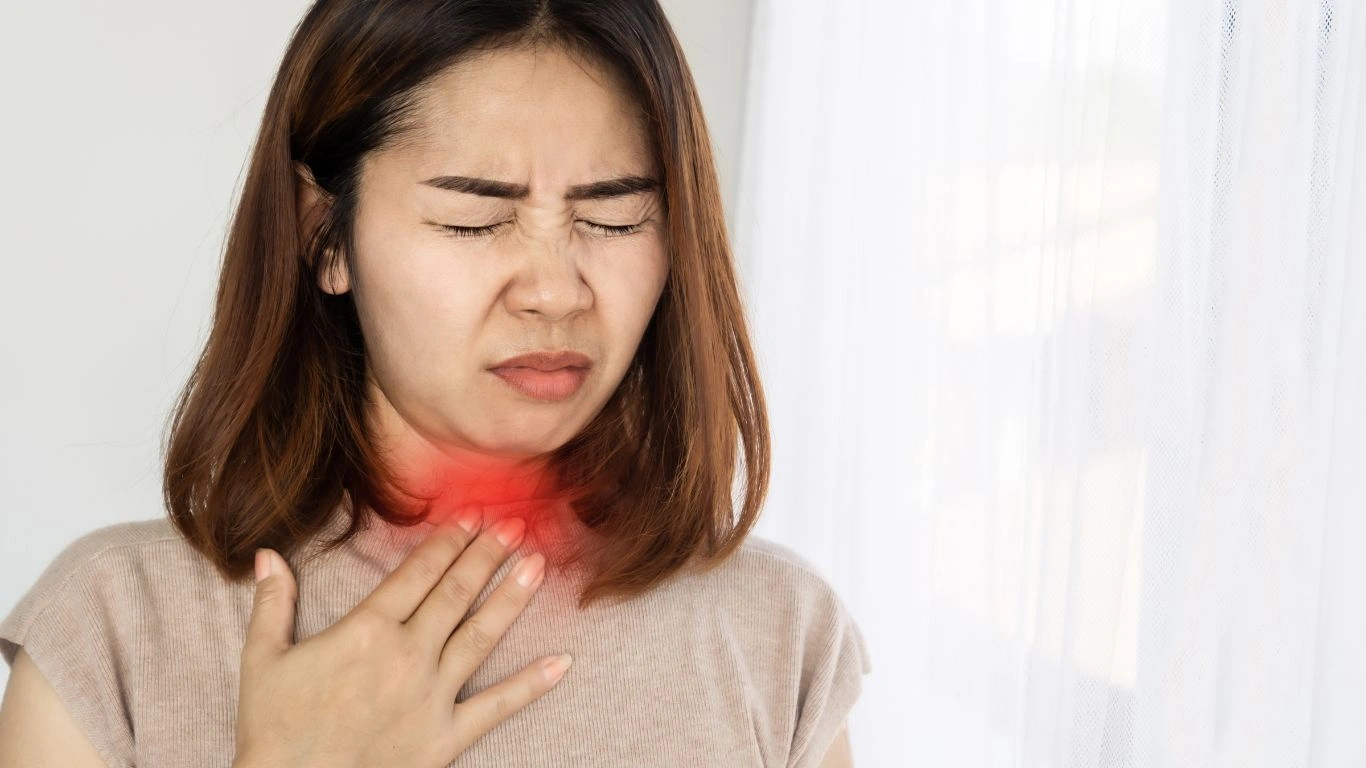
(269, 434)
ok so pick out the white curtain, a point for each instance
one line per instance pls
(1061, 310)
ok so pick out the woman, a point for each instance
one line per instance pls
(479, 273)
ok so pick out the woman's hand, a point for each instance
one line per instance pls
(377, 688)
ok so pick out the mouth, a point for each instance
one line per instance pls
(546, 360)
(548, 376)
(549, 386)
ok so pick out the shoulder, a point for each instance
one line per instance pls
(94, 570)
(760, 552)
(109, 542)
(782, 575)
(829, 655)
(92, 546)
(79, 623)
(771, 589)
(801, 645)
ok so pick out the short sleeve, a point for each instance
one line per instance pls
(69, 624)
(832, 681)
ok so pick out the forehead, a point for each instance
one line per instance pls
(544, 111)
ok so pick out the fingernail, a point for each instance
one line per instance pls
(555, 668)
(529, 568)
(262, 566)
(469, 519)
(510, 531)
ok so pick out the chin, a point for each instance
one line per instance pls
(525, 438)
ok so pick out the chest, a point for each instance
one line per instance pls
(679, 688)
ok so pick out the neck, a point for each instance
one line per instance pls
(455, 480)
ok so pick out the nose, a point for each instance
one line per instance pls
(549, 285)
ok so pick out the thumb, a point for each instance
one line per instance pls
(270, 631)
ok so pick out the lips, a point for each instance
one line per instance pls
(547, 361)
(546, 376)
(548, 386)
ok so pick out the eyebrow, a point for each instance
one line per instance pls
(598, 190)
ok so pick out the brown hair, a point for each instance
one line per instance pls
(269, 434)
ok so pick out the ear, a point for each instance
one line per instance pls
(312, 205)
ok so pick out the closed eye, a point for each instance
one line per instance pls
(605, 229)
(612, 231)
(460, 231)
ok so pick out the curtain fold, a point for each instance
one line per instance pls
(1059, 311)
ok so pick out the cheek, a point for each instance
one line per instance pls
(625, 297)
(627, 285)
(419, 311)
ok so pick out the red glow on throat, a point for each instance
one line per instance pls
(498, 493)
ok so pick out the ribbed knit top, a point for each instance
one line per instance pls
(754, 663)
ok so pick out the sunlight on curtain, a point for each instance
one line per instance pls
(1059, 308)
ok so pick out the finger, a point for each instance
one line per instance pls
(480, 713)
(270, 630)
(403, 590)
(470, 644)
(436, 618)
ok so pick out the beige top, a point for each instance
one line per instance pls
(755, 663)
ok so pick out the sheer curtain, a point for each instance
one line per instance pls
(1060, 309)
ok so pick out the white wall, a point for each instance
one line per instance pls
(715, 36)
(123, 130)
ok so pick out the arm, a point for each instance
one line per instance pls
(839, 755)
(35, 729)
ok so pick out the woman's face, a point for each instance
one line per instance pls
(439, 308)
